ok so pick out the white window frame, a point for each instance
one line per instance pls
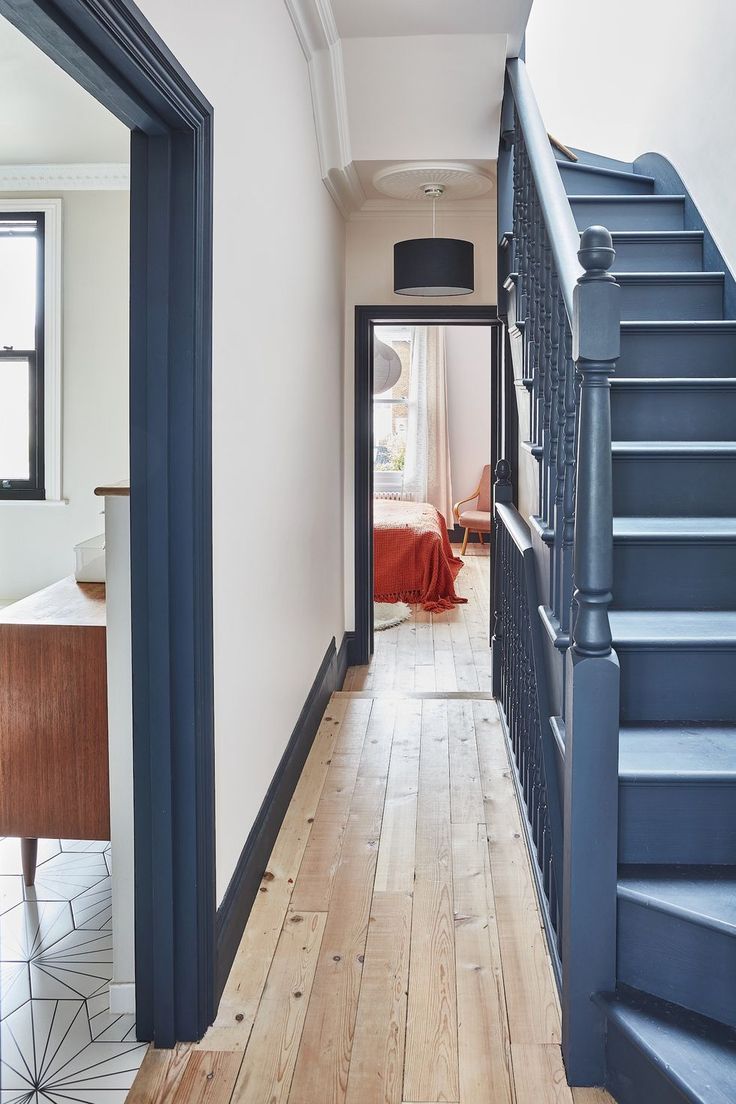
(52, 354)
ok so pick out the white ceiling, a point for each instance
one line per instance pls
(381, 18)
(45, 116)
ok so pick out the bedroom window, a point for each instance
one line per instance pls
(22, 471)
(391, 414)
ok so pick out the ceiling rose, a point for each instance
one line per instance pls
(409, 180)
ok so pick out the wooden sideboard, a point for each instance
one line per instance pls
(53, 715)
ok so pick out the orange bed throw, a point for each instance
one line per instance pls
(413, 560)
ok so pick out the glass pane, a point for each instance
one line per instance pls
(389, 436)
(18, 258)
(390, 417)
(14, 419)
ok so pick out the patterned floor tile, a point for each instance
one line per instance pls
(59, 1042)
(93, 908)
(47, 1047)
(10, 853)
(78, 965)
(31, 927)
(11, 891)
(15, 988)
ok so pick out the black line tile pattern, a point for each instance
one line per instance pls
(59, 1042)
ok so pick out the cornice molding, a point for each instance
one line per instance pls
(316, 30)
(402, 209)
(90, 177)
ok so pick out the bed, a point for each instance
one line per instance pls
(413, 559)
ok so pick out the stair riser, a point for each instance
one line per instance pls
(674, 486)
(660, 256)
(631, 1078)
(674, 413)
(682, 962)
(677, 822)
(681, 300)
(672, 353)
(637, 214)
(582, 182)
(678, 684)
(688, 576)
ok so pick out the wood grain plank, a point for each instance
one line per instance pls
(208, 1078)
(159, 1075)
(377, 1063)
(269, 1061)
(466, 792)
(395, 868)
(539, 1075)
(323, 1061)
(531, 994)
(484, 1045)
(247, 978)
(431, 1062)
(592, 1096)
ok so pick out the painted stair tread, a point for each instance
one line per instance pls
(675, 383)
(703, 895)
(704, 628)
(673, 448)
(703, 753)
(674, 528)
(574, 167)
(696, 1054)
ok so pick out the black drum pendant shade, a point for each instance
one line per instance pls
(434, 266)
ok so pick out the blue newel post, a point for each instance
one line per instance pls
(592, 681)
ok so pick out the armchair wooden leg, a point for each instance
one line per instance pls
(465, 543)
(480, 535)
(28, 855)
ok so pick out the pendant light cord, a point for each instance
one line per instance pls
(434, 216)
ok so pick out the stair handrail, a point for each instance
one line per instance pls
(566, 312)
(559, 219)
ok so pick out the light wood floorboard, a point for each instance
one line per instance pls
(395, 953)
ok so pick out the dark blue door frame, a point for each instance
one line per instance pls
(109, 48)
(366, 319)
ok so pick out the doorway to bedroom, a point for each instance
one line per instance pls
(429, 389)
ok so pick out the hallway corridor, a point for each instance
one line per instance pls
(395, 952)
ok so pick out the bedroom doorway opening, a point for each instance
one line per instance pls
(429, 391)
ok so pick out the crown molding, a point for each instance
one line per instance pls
(89, 177)
(402, 209)
(316, 30)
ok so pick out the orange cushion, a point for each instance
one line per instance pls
(480, 520)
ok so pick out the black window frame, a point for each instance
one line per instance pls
(34, 488)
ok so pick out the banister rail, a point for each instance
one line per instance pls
(564, 321)
(556, 211)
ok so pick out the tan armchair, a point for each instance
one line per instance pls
(477, 520)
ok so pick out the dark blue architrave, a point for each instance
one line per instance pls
(361, 644)
(109, 48)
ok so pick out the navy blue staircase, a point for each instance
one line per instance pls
(670, 1024)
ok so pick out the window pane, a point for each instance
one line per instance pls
(14, 419)
(18, 259)
(390, 411)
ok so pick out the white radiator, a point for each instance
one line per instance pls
(392, 496)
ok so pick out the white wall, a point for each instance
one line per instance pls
(277, 418)
(369, 281)
(37, 539)
(627, 78)
(469, 404)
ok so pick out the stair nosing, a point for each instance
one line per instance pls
(676, 382)
(674, 448)
(614, 1008)
(710, 276)
(647, 235)
(661, 325)
(601, 170)
(618, 198)
(668, 908)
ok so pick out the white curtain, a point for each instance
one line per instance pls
(427, 475)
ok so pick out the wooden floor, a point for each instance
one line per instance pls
(395, 952)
